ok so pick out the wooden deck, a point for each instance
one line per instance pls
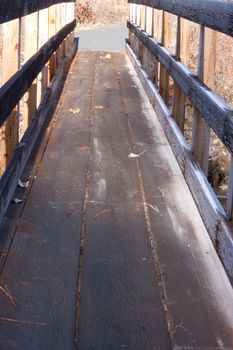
(107, 249)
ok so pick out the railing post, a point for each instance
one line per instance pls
(63, 15)
(178, 103)
(155, 28)
(9, 65)
(53, 28)
(138, 15)
(143, 17)
(210, 57)
(185, 32)
(69, 12)
(131, 12)
(157, 24)
(164, 77)
(43, 35)
(29, 47)
(206, 71)
(230, 193)
(69, 17)
(149, 20)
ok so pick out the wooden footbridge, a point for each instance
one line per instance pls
(111, 236)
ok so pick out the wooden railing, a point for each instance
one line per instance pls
(37, 47)
(156, 65)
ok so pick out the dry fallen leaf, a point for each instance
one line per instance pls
(133, 155)
(12, 320)
(107, 56)
(23, 184)
(99, 107)
(75, 111)
(17, 200)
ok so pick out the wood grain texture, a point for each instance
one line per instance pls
(189, 266)
(120, 301)
(216, 112)
(42, 263)
(14, 89)
(215, 14)
(213, 215)
(20, 8)
(145, 251)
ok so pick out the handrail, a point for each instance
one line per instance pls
(19, 8)
(216, 112)
(32, 80)
(14, 89)
(214, 14)
(149, 31)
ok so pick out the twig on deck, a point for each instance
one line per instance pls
(7, 293)
(12, 320)
(154, 207)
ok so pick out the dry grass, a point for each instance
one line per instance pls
(99, 13)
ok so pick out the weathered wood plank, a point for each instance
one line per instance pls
(118, 272)
(42, 264)
(218, 115)
(129, 312)
(215, 14)
(20, 8)
(213, 215)
(14, 89)
(189, 266)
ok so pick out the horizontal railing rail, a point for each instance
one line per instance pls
(13, 9)
(214, 14)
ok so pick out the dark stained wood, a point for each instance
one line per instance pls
(14, 89)
(19, 8)
(215, 14)
(41, 266)
(178, 107)
(188, 264)
(164, 84)
(120, 302)
(218, 115)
